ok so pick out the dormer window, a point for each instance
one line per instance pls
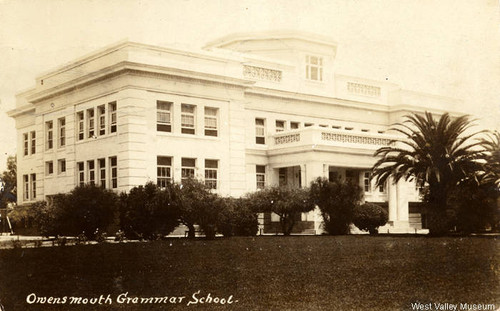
(314, 68)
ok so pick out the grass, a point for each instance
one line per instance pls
(262, 273)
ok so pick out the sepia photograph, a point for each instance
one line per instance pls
(250, 155)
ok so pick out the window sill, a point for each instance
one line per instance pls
(193, 136)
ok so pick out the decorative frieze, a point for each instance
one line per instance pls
(260, 73)
(286, 139)
(363, 89)
(355, 139)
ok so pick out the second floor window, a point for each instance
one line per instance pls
(260, 131)
(112, 117)
(294, 125)
(49, 167)
(101, 114)
(81, 125)
(26, 143)
(61, 164)
(163, 116)
(49, 127)
(91, 123)
(314, 68)
(33, 142)
(210, 121)
(280, 126)
(62, 132)
(188, 119)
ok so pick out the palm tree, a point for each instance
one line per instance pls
(435, 153)
(492, 166)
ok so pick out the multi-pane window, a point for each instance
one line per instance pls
(163, 171)
(62, 131)
(114, 172)
(49, 130)
(314, 68)
(211, 167)
(260, 131)
(260, 176)
(294, 125)
(49, 168)
(33, 142)
(163, 116)
(187, 119)
(367, 182)
(81, 173)
(187, 168)
(210, 121)
(81, 125)
(101, 115)
(33, 186)
(280, 126)
(112, 117)
(91, 122)
(102, 172)
(61, 166)
(26, 187)
(26, 143)
(91, 172)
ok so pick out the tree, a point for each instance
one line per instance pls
(287, 203)
(9, 191)
(492, 166)
(148, 212)
(369, 217)
(238, 218)
(439, 154)
(336, 200)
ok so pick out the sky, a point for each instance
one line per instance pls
(446, 47)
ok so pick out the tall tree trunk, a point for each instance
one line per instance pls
(191, 232)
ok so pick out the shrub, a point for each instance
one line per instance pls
(336, 201)
(287, 203)
(369, 217)
(147, 212)
(238, 219)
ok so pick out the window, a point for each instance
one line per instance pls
(348, 128)
(81, 173)
(366, 182)
(112, 117)
(294, 125)
(81, 125)
(91, 172)
(260, 176)
(314, 68)
(33, 142)
(26, 143)
(350, 176)
(280, 126)
(102, 172)
(49, 134)
(365, 130)
(211, 167)
(163, 171)
(101, 114)
(380, 132)
(187, 119)
(337, 127)
(61, 166)
(323, 125)
(187, 169)
(308, 124)
(210, 121)
(260, 131)
(62, 131)
(163, 116)
(26, 187)
(33, 186)
(91, 123)
(114, 172)
(49, 168)
(381, 188)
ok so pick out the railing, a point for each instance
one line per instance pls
(355, 139)
(287, 139)
(261, 73)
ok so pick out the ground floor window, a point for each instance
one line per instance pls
(261, 176)
(188, 168)
(163, 171)
(211, 167)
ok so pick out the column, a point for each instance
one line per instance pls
(393, 200)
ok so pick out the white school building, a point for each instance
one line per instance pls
(246, 111)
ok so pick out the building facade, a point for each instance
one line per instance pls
(247, 111)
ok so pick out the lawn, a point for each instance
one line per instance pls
(261, 273)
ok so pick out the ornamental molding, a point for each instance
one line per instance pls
(260, 73)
